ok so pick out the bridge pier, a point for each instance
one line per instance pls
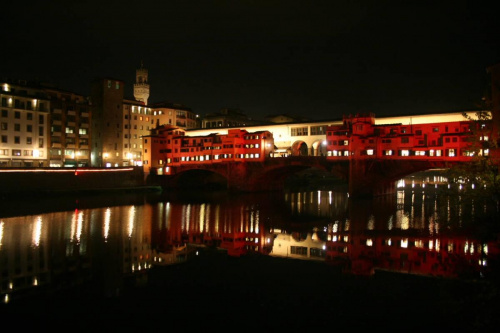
(368, 178)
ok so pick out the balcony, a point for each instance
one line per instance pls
(56, 134)
(56, 145)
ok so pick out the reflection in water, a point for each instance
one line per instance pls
(416, 232)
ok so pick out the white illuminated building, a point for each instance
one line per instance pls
(310, 248)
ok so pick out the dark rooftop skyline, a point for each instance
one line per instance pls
(317, 59)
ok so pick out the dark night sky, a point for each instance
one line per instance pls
(319, 59)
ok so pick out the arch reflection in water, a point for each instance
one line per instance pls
(412, 232)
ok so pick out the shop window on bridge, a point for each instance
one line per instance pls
(404, 152)
(318, 130)
(369, 152)
(299, 131)
(451, 152)
(420, 153)
(299, 250)
(388, 152)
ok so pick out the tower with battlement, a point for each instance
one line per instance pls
(141, 86)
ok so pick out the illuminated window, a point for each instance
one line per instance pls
(369, 152)
(388, 152)
(451, 152)
(405, 152)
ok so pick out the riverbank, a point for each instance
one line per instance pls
(218, 292)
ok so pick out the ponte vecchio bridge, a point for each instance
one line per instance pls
(371, 154)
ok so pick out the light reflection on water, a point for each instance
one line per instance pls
(411, 232)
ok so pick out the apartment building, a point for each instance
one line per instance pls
(69, 137)
(24, 121)
(174, 114)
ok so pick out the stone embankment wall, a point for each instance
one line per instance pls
(53, 180)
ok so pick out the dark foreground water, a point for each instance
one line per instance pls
(418, 260)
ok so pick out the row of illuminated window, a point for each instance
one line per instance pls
(69, 130)
(17, 140)
(26, 105)
(407, 140)
(313, 252)
(69, 152)
(429, 244)
(217, 157)
(304, 131)
(141, 118)
(133, 146)
(19, 152)
(407, 152)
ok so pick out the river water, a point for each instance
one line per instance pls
(235, 250)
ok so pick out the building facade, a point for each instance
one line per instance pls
(24, 125)
(69, 138)
(175, 115)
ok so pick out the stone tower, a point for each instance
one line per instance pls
(141, 86)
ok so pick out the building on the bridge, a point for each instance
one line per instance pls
(358, 137)
(169, 147)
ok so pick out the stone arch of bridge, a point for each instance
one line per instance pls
(299, 148)
(318, 148)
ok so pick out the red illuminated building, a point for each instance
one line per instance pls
(359, 138)
(169, 147)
